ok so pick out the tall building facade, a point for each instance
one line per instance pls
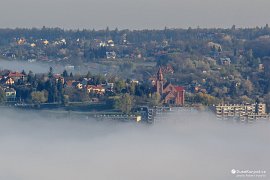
(256, 110)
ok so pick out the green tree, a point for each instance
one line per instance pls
(88, 75)
(50, 74)
(206, 99)
(119, 86)
(65, 73)
(66, 100)
(247, 87)
(125, 103)
(60, 91)
(30, 77)
(39, 97)
(155, 99)
(132, 88)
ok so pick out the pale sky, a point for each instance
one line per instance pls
(133, 14)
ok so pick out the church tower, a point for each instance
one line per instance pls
(159, 82)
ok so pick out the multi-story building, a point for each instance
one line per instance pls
(256, 110)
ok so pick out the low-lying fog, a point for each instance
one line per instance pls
(39, 67)
(36, 67)
(185, 145)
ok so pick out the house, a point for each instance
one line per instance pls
(111, 55)
(7, 81)
(77, 84)
(16, 76)
(225, 61)
(170, 94)
(110, 43)
(96, 89)
(69, 83)
(10, 94)
(69, 68)
(109, 86)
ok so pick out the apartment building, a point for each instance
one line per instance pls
(256, 110)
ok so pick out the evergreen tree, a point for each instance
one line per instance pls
(60, 93)
(65, 74)
(50, 74)
(88, 75)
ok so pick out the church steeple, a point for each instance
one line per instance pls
(160, 75)
(159, 82)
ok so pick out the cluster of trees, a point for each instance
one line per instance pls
(81, 44)
(194, 54)
(49, 88)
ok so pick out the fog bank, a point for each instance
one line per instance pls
(185, 145)
(36, 67)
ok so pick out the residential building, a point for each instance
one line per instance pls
(96, 89)
(225, 61)
(10, 94)
(111, 55)
(8, 81)
(77, 84)
(241, 110)
(16, 76)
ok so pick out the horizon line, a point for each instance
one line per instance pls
(131, 29)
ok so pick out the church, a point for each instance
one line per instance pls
(170, 94)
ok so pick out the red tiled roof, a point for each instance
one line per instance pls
(179, 88)
(69, 83)
(15, 74)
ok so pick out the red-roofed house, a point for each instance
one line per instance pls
(16, 76)
(69, 83)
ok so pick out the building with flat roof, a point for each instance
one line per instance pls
(250, 111)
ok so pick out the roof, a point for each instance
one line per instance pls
(179, 88)
(95, 87)
(10, 90)
(76, 83)
(15, 74)
(70, 82)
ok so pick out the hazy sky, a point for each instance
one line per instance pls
(133, 14)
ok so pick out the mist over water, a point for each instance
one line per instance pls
(36, 67)
(184, 145)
